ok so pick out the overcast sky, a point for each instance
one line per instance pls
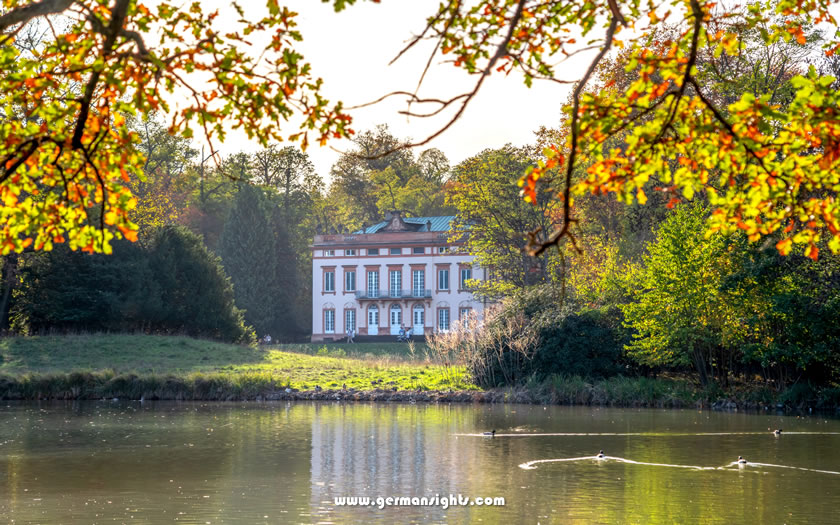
(351, 50)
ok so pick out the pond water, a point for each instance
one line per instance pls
(97, 462)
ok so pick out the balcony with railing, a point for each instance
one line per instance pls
(414, 293)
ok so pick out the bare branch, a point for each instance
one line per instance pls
(24, 14)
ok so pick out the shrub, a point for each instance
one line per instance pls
(532, 335)
(588, 344)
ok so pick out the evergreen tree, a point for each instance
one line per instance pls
(193, 293)
(249, 247)
(176, 286)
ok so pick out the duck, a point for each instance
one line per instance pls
(741, 460)
(777, 432)
(600, 454)
(492, 433)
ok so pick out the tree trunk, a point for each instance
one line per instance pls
(700, 364)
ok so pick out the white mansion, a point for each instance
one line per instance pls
(402, 272)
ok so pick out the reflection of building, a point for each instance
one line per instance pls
(389, 451)
(402, 272)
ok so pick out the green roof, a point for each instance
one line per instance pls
(439, 224)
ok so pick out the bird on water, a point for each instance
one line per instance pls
(741, 460)
(492, 433)
(777, 432)
(600, 454)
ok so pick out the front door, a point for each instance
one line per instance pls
(419, 321)
(396, 319)
(373, 321)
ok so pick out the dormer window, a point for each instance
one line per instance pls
(349, 252)
(329, 253)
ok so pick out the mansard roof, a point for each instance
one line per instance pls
(396, 223)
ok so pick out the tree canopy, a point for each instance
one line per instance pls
(67, 152)
(766, 159)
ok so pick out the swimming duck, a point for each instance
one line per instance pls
(600, 454)
(777, 432)
(742, 461)
(492, 433)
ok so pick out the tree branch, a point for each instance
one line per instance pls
(570, 166)
(24, 14)
(118, 15)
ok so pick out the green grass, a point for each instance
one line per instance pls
(301, 366)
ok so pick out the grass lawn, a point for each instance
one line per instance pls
(301, 366)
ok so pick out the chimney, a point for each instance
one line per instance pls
(428, 226)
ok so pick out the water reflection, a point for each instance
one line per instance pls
(286, 463)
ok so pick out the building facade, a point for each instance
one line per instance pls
(400, 273)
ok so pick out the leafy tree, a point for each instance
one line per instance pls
(495, 223)
(164, 190)
(213, 192)
(65, 145)
(680, 313)
(380, 174)
(794, 333)
(285, 170)
(774, 162)
(768, 164)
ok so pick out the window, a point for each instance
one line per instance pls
(329, 253)
(329, 281)
(443, 319)
(329, 321)
(373, 251)
(418, 282)
(443, 249)
(373, 283)
(418, 249)
(464, 314)
(350, 320)
(350, 281)
(396, 282)
(466, 274)
(395, 251)
(349, 251)
(443, 279)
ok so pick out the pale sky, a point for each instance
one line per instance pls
(351, 50)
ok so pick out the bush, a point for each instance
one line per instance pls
(588, 344)
(533, 336)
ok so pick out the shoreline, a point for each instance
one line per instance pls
(78, 386)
